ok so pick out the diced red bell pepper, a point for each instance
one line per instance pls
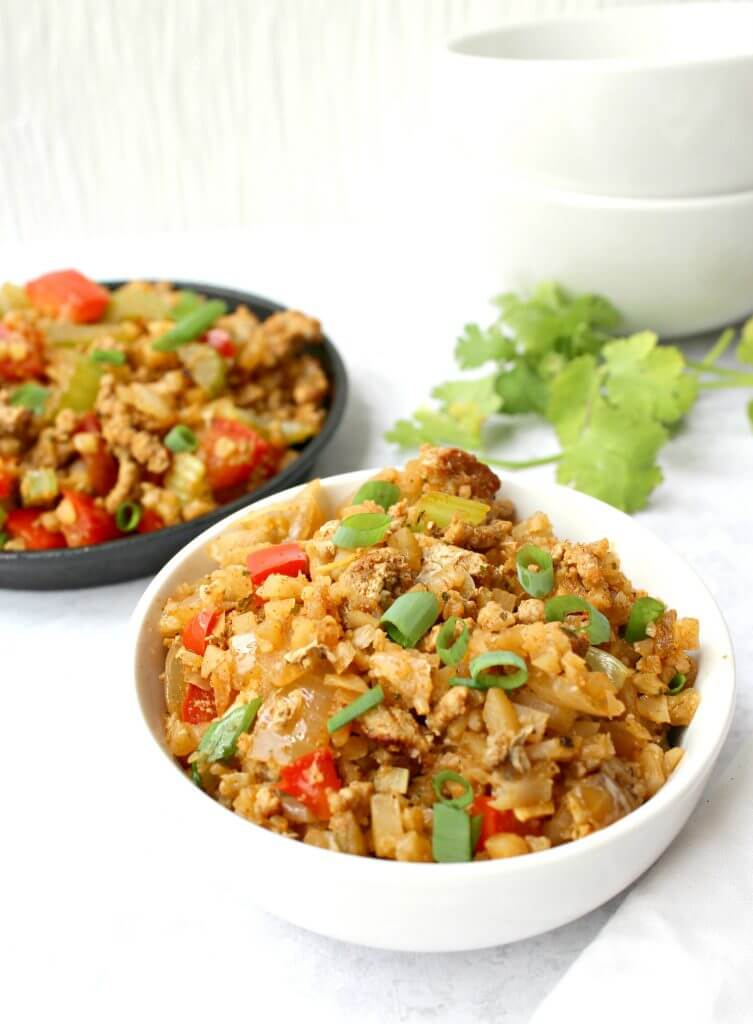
(25, 364)
(310, 778)
(7, 483)
(89, 423)
(231, 452)
(196, 631)
(494, 821)
(198, 705)
(150, 521)
(284, 559)
(89, 523)
(221, 342)
(101, 468)
(68, 294)
(22, 523)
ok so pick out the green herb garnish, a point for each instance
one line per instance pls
(181, 439)
(221, 737)
(356, 708)
(450, 650)
(380, 491)
(613, 403)
(361, 530)
(677, 683)
(191, 326)
(537, 584)
(30, 396)
(644, 611)
(110, 355)
(482, 679)
(598, 629)
(128, 516)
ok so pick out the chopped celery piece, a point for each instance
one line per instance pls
(39, 486)
(133, 303)
(438, 508)
(81, 393)
(206, 366)
(60, 332)
(187, 477)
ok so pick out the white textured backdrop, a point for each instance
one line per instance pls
(164, 115)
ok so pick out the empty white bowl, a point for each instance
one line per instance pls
(678, 266)
(443, 907)
(652, 101)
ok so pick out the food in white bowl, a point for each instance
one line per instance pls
(492, 742)
(652, 102)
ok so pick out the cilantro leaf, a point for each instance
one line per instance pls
(648, 380)
(745, 347)
(522, 390)
(430, 427)
(614, 458)
(750, 413)
(475, 346)
(572, 394)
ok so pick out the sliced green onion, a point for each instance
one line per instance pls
(644, 611)
(451, 839)
(440, 781)
(191, 326)
(410, 616)
(181, 439)
(451, 653)
(128, 516)
(361, 530)
(356, 708)
(537, 584)
(109, 355)
(220, 740)
(677, 682)
(438, 508)
(196, 776)
(3, 539)
(380, 491)
(483, 680)
(557, 609)
(187, 302)
(602, 661)
(30, 396)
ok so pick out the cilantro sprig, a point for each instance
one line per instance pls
(613, 402)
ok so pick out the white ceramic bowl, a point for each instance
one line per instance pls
(443, 907)
(677, 266)
(652, 101)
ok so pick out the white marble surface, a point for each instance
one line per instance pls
(106, 909)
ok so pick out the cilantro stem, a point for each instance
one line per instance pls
(716, 350)
(740, 380)
(724, 371)
(522, 464)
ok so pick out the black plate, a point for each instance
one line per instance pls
(133, 557)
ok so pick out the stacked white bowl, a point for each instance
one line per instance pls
(613, 153)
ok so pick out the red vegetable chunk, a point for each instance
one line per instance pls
(494, 821)
(84, 522)
(150, 521)
(310, 778)
(198, 705)
(196, 631)
(221, 342)
(70, 295)
(22, 523)
(231, 451)
(284, 559)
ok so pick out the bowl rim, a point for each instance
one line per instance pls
(337, 376)
(458, 47)
(390, 872)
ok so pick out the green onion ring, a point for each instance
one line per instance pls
(191, 326)
(537, 584)
(113, 356)
(380, 491)
(483, 680)
(557, 609)
(410, 616)
(361, 530)
(181, 439)
(452, 653)
(221, 737)
(30, 396)
(677, 683)
(465, 798)
(644, 611)
(128, 516)
(451, 839)
(355, 709)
